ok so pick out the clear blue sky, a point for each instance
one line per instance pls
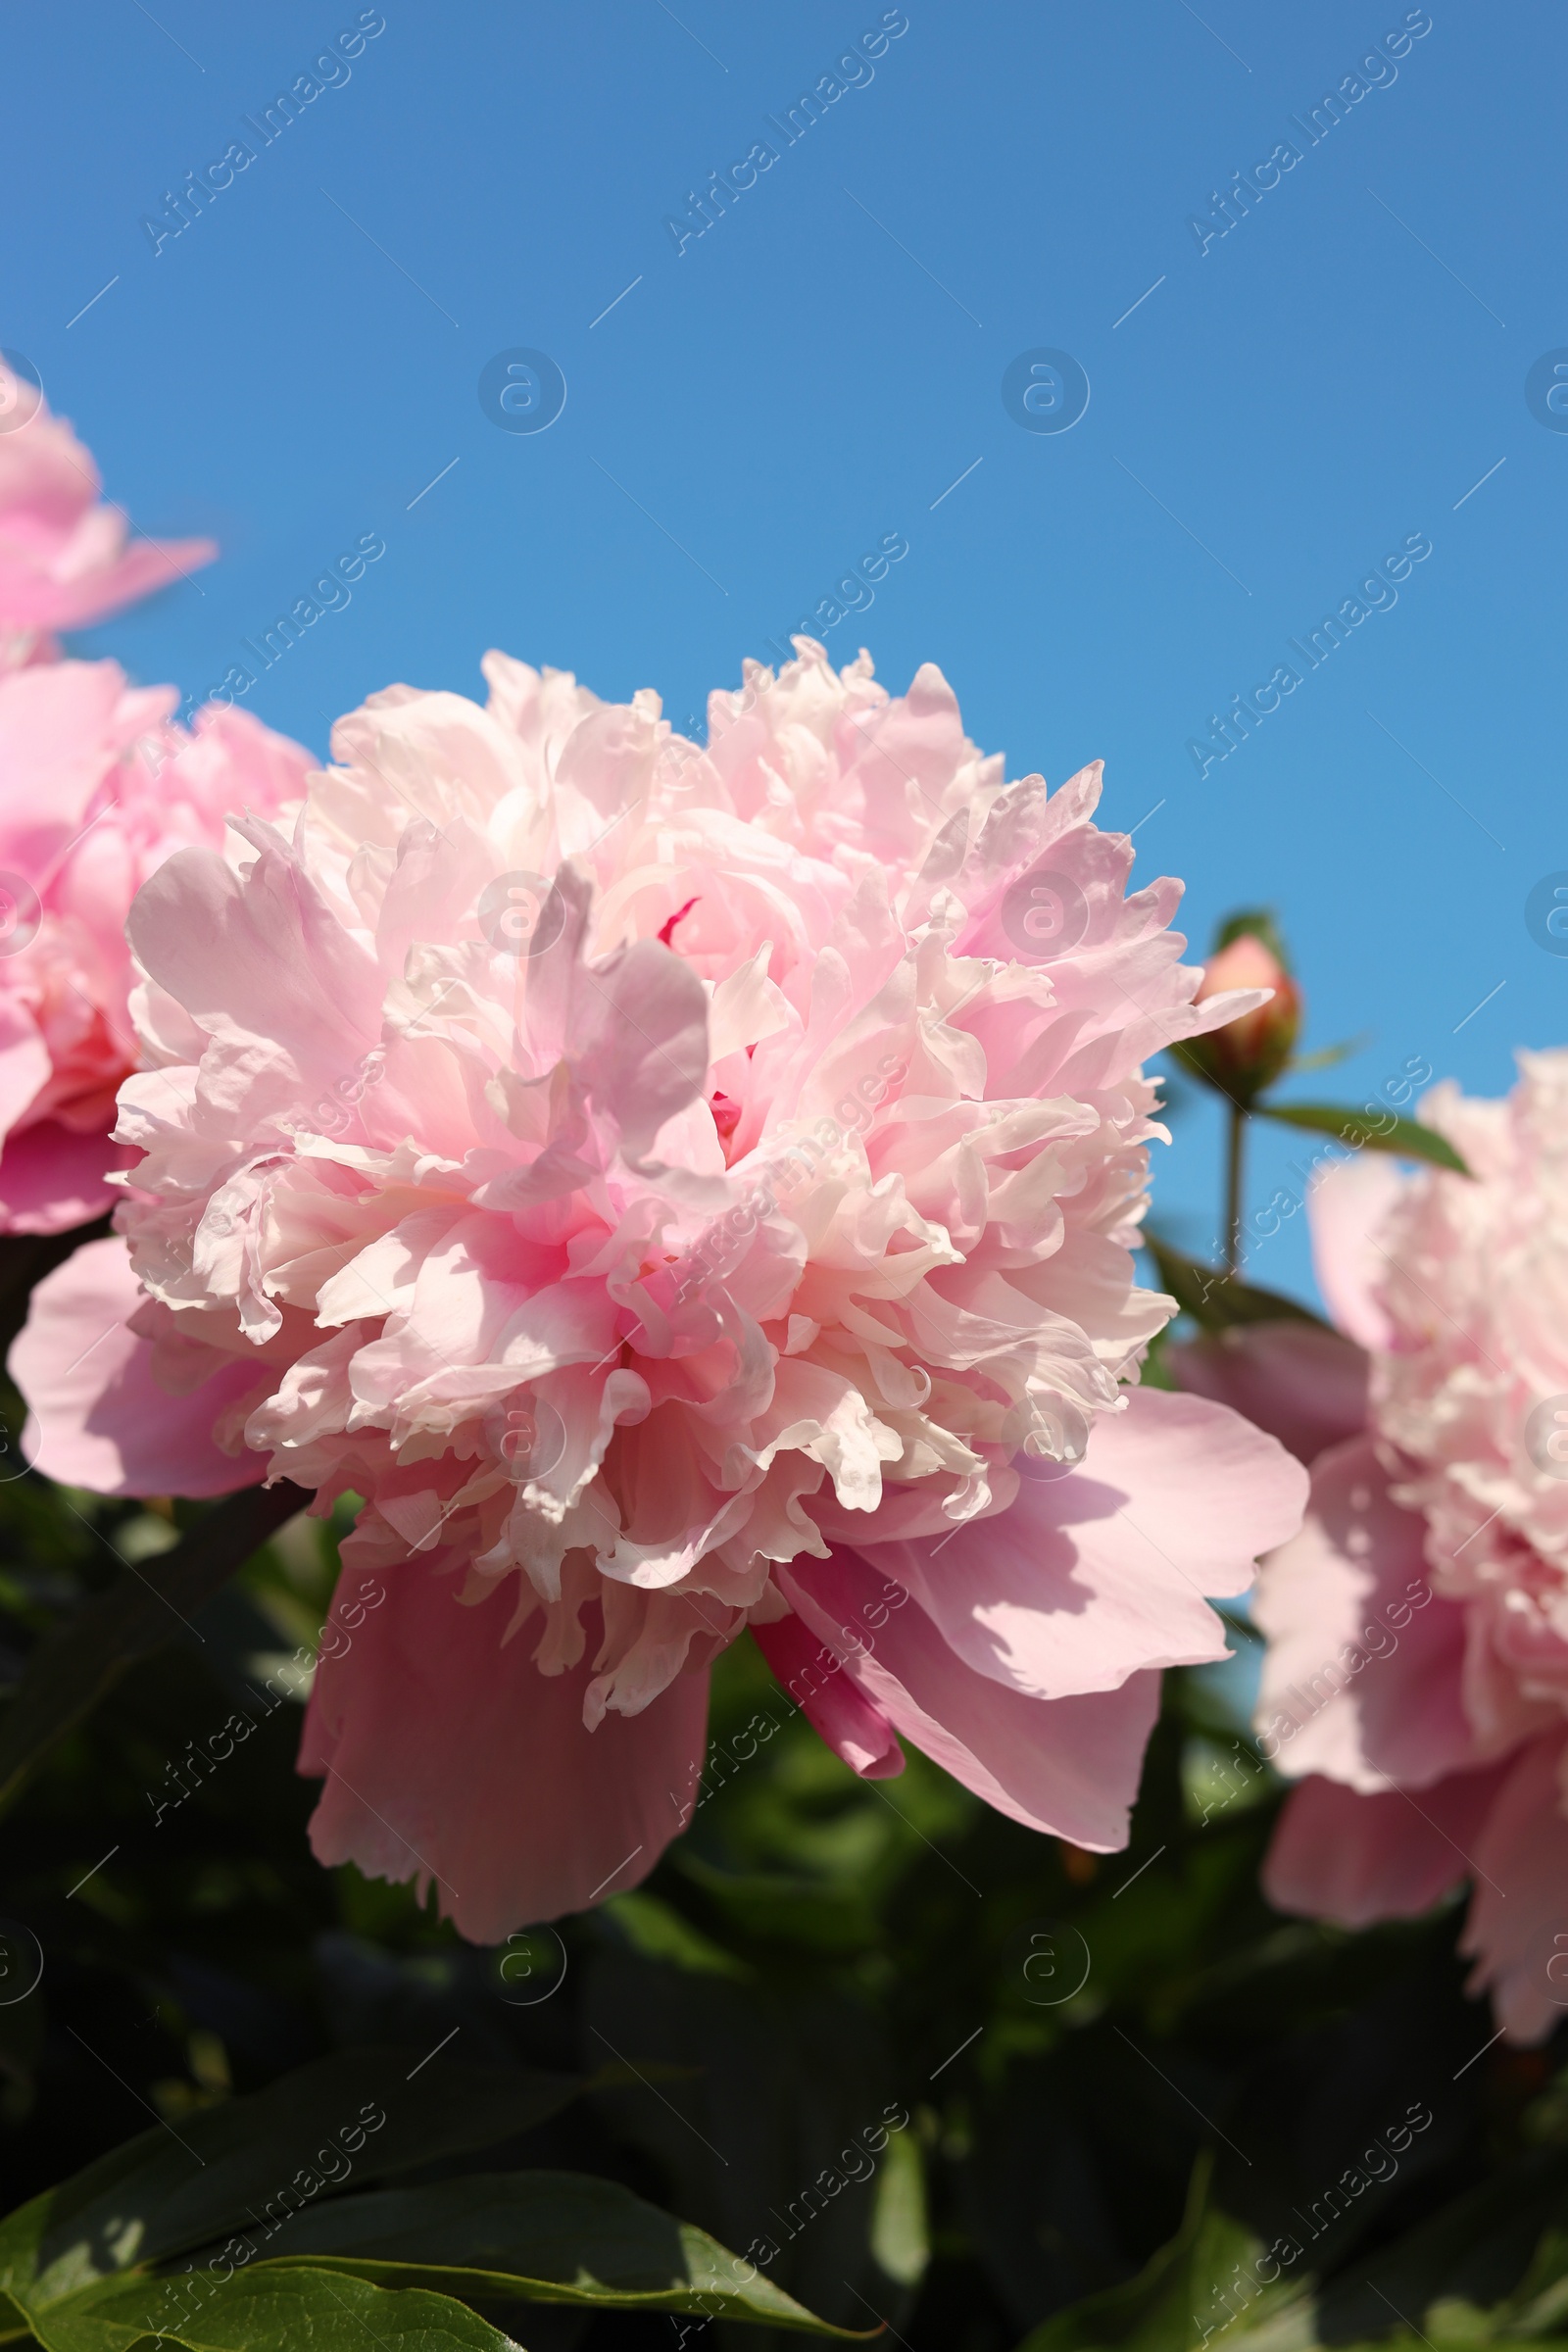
(1279, 414)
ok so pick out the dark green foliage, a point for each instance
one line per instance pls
(909, 2062)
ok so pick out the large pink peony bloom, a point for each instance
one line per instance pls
(679, 1191)
(66, 558)
(1417, 1667)
(96, 790)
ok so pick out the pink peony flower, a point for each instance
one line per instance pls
(1417, 1677)
(65, 556)
(96, 790)
(678, 1190)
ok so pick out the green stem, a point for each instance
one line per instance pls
(1233, 1187)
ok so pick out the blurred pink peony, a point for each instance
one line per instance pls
(1417, 1667)
(96, 788)
(64, 557)
(680, 1190)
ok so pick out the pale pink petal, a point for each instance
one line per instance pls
(833, 1705)
(259, 957)
(52, 1178)
(1067, 1765)
(644, 1048)
(1091, 1577)
(451, 1759)
(1363, 1676)
(24, 1063)
(1517, 1931)
(1346, 1205)
(97, 1417)
(1337, 1854)
(65, 560)
(1306, 1387)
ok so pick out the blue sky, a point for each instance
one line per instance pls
(1271, 411)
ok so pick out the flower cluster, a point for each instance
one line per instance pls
(613, 1387)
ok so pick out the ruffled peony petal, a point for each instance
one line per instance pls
(98, 1416)
(1515, 1932)
(1363, 1676)
(1070, 1766)
(1307, 1388)
(1086, 1578)
(1340, 1855)
(831, 1702)
(1347, 1205)
(449, 1758)
(258, 960)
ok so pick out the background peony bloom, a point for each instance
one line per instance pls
(66, 558)
(96, 790)
(1417, 1667)
(679, 1190)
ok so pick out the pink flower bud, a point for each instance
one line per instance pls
(1247, 1055)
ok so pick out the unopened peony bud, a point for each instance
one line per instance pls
(1247, 1055)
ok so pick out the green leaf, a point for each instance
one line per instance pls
(249, 2164)
(1365, 1129)
(1324, 1058)
(1491, 2263)
(1178, 2299)
(900, 2237)
(72, 1670)
(270, 2308)
(656, 1930)
(1491, 2267)
(542, 2237)
(1215, 1300)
